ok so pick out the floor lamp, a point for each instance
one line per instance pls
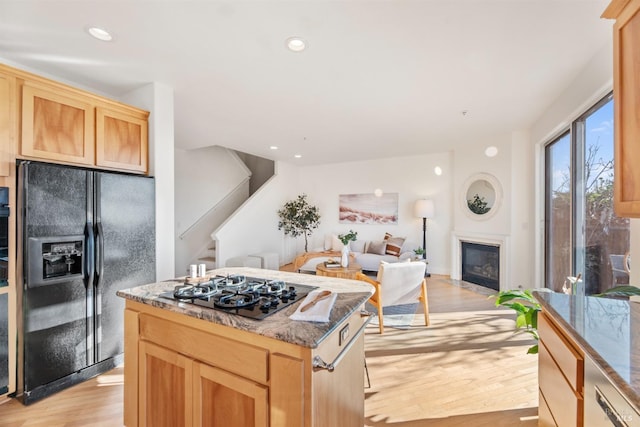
(424, 209)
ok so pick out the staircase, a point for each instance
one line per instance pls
(195, 245)
(209, 256)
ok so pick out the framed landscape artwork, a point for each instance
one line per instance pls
(368, 209)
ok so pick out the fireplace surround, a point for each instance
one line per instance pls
(481, 264)
(500, 241)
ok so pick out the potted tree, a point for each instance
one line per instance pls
(298, 217)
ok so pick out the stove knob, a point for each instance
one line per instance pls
(284, 298)
(265, 307)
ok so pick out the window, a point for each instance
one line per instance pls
(582, 233)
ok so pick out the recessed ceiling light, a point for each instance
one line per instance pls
(273, 147)
(100, 34)
(491, 151)
(296, 44)
(437, 170)
(297, 156)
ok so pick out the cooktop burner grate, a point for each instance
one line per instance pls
(251, 297)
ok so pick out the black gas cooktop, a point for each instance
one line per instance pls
(251, 297)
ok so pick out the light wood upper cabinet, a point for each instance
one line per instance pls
(45, 120)
(121, 140)
(626, 94)
(55, 126)
(6, 122)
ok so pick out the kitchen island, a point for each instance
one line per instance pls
(589, 360)
(190, 365)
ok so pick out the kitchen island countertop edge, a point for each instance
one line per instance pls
(607, 330)
(351, 295)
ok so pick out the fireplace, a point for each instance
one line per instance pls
(481, 264)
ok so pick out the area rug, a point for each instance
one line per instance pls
(395, 316)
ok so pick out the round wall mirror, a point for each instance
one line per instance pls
(482, 196)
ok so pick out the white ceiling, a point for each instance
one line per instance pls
(379, 78)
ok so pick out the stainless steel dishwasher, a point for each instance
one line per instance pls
(604, 405)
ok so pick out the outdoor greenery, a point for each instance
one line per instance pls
(622, 291)
(478, 205)
(605, 233)
(526, 308)
(298, 217)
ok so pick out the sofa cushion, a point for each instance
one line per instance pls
(378, 248)
(394, 244)
(371, 262)
(336, 244)
(357, 246)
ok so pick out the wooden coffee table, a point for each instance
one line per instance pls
(348, 272)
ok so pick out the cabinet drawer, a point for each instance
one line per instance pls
(545, 419)
(242, 359)
(570, 362)
(563, 402)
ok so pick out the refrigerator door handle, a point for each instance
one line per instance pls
(89, 262)
(99, 253)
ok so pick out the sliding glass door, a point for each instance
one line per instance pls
(583, 235)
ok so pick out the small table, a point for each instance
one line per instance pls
(348, 272)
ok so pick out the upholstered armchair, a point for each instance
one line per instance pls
(398, 283)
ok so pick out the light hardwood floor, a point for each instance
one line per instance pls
(467, 369)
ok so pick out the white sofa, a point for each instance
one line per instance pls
(361, 250)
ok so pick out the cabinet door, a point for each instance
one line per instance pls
(57, 126)
(4, 343)
(121, 140)
(626, 92)
(6, 123)
(222, 399)
(165, 387)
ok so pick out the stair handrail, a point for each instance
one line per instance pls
(214, 207)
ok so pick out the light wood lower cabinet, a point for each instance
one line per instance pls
(222, 399)
(178, 391)
(560, 377)
(166, 391)
(184, 371)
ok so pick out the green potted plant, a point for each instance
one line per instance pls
(526, 308)
(351, 236)
(298, 217)
(419, 252)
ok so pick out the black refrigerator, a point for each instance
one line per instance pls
(83, 235)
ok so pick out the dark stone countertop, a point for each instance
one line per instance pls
(351, 295)
(607, 329)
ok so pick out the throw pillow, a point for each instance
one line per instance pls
(328, 241)
(394, 244)
(336, 244)
(378, 248)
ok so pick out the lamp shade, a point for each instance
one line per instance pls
(424, 208)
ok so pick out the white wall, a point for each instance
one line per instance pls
(412, 178)
(471, 161)
(206, 178)
(254, 227)
(203, 177)
(522, 202)
(158, 100)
